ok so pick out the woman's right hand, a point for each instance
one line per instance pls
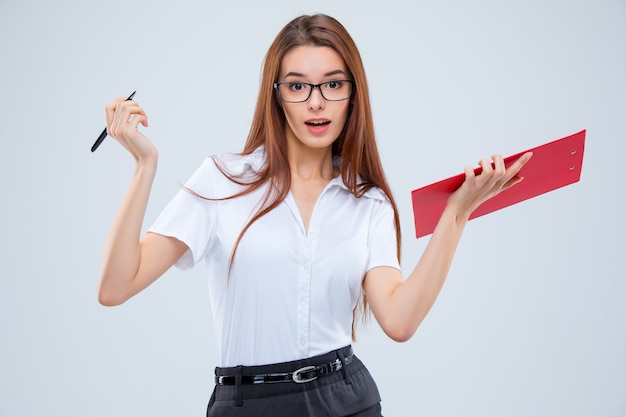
(123, 118)
(131, 263)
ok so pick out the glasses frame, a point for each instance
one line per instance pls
(313, 86)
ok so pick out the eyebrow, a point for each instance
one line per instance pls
(328, 74)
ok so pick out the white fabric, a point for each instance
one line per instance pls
(289, 295)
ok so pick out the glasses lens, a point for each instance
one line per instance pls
(294, 92)
(336, 90)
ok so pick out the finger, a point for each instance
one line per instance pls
(485, 164)
(498, 165)
(113, 104)
(469, 173)
(513, 181)
(515, 167)
(110, 109)
(126, 119)
(125, 111)
(128, 113)
(499, 170)
(524, 159)
(127, 104)
(136, 120)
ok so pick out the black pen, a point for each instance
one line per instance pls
(104, 132)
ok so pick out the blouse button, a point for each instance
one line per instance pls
(307, 265)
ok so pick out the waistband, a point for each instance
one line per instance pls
(241, 382)
(300, 372)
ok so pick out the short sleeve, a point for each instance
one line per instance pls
(383, 248)
(190, 218)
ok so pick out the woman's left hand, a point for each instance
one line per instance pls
(494, 178)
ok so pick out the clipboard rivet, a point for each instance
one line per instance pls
(573, 153)
(572, 168)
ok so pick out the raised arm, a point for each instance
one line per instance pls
(129, 264)
(400, 306)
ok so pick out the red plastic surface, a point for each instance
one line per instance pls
(553, 165)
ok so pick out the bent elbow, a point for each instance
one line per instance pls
(401, 336)
(109, 298)
(108, 301)
(400, 332)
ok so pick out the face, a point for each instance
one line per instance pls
(314, 123)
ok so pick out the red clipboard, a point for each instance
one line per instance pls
(553, 165)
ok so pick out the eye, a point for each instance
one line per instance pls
(297, 86)
(334, 85)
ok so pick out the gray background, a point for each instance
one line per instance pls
(532, 320)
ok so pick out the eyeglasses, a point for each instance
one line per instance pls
(298, 92)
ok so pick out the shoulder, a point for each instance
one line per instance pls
(376, 194)
(373, 194)
(236, 164)
(225, 173)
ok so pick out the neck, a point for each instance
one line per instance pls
(311, 164)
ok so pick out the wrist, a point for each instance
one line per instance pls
(459, 215)
(146, 165)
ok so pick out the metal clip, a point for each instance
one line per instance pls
(296, 375)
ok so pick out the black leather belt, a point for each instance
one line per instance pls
(299, 376)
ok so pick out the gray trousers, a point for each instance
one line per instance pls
(348, 392)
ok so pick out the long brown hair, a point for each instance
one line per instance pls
(361, 168)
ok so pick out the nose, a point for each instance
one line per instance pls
(316, 100)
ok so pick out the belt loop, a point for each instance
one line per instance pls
(344, 366)
(238, 389)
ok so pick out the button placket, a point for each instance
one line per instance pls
(304, 299)
(305, 272)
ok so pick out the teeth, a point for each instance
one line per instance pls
(318, 122)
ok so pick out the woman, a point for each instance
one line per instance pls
(298, 231)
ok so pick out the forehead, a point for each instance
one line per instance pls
(311, 61)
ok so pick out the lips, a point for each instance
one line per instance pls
(317, 125)
(317, 122)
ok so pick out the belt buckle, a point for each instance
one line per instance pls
(298, 379)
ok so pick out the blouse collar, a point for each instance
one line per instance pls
(255, 162)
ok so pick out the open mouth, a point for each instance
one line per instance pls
(317, 126)
(317, 123)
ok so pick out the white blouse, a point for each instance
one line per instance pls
(289, 294)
